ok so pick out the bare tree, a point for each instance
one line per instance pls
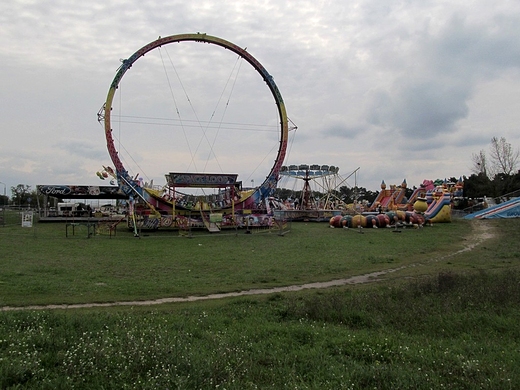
(504, 159)
(479, 163)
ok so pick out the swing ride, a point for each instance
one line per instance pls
(186, 198)
(317, 200)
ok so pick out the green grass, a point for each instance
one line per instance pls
(435, 333)
(446, 319)
(42, 266)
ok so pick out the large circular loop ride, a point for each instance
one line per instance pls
(126, 182)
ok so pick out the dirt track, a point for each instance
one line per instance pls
(481, 231)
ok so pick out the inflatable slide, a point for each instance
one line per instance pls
(508, 209)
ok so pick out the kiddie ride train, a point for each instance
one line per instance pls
(430, 203)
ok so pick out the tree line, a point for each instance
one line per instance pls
(494, 174)
(22, 196)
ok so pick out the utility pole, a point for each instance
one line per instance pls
(3, 206)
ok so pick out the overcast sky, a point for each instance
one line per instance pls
(401, 89)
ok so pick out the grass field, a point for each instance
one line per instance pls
(447, 316)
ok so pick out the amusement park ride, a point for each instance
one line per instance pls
(185, 201)
(324, 180)
(232, 205)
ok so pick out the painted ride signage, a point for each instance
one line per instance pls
(200, 180)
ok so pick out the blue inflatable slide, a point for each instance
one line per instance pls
(508, 209)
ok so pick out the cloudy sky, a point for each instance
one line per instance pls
(401, 89)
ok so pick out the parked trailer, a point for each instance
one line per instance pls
(73, 210)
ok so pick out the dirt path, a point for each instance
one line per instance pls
(481, 232)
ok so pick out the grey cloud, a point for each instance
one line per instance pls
(472, 138)
(83, 148)
(403, 78)
(342, 131)
(431, 94)
(467, 48)
(421, 108)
